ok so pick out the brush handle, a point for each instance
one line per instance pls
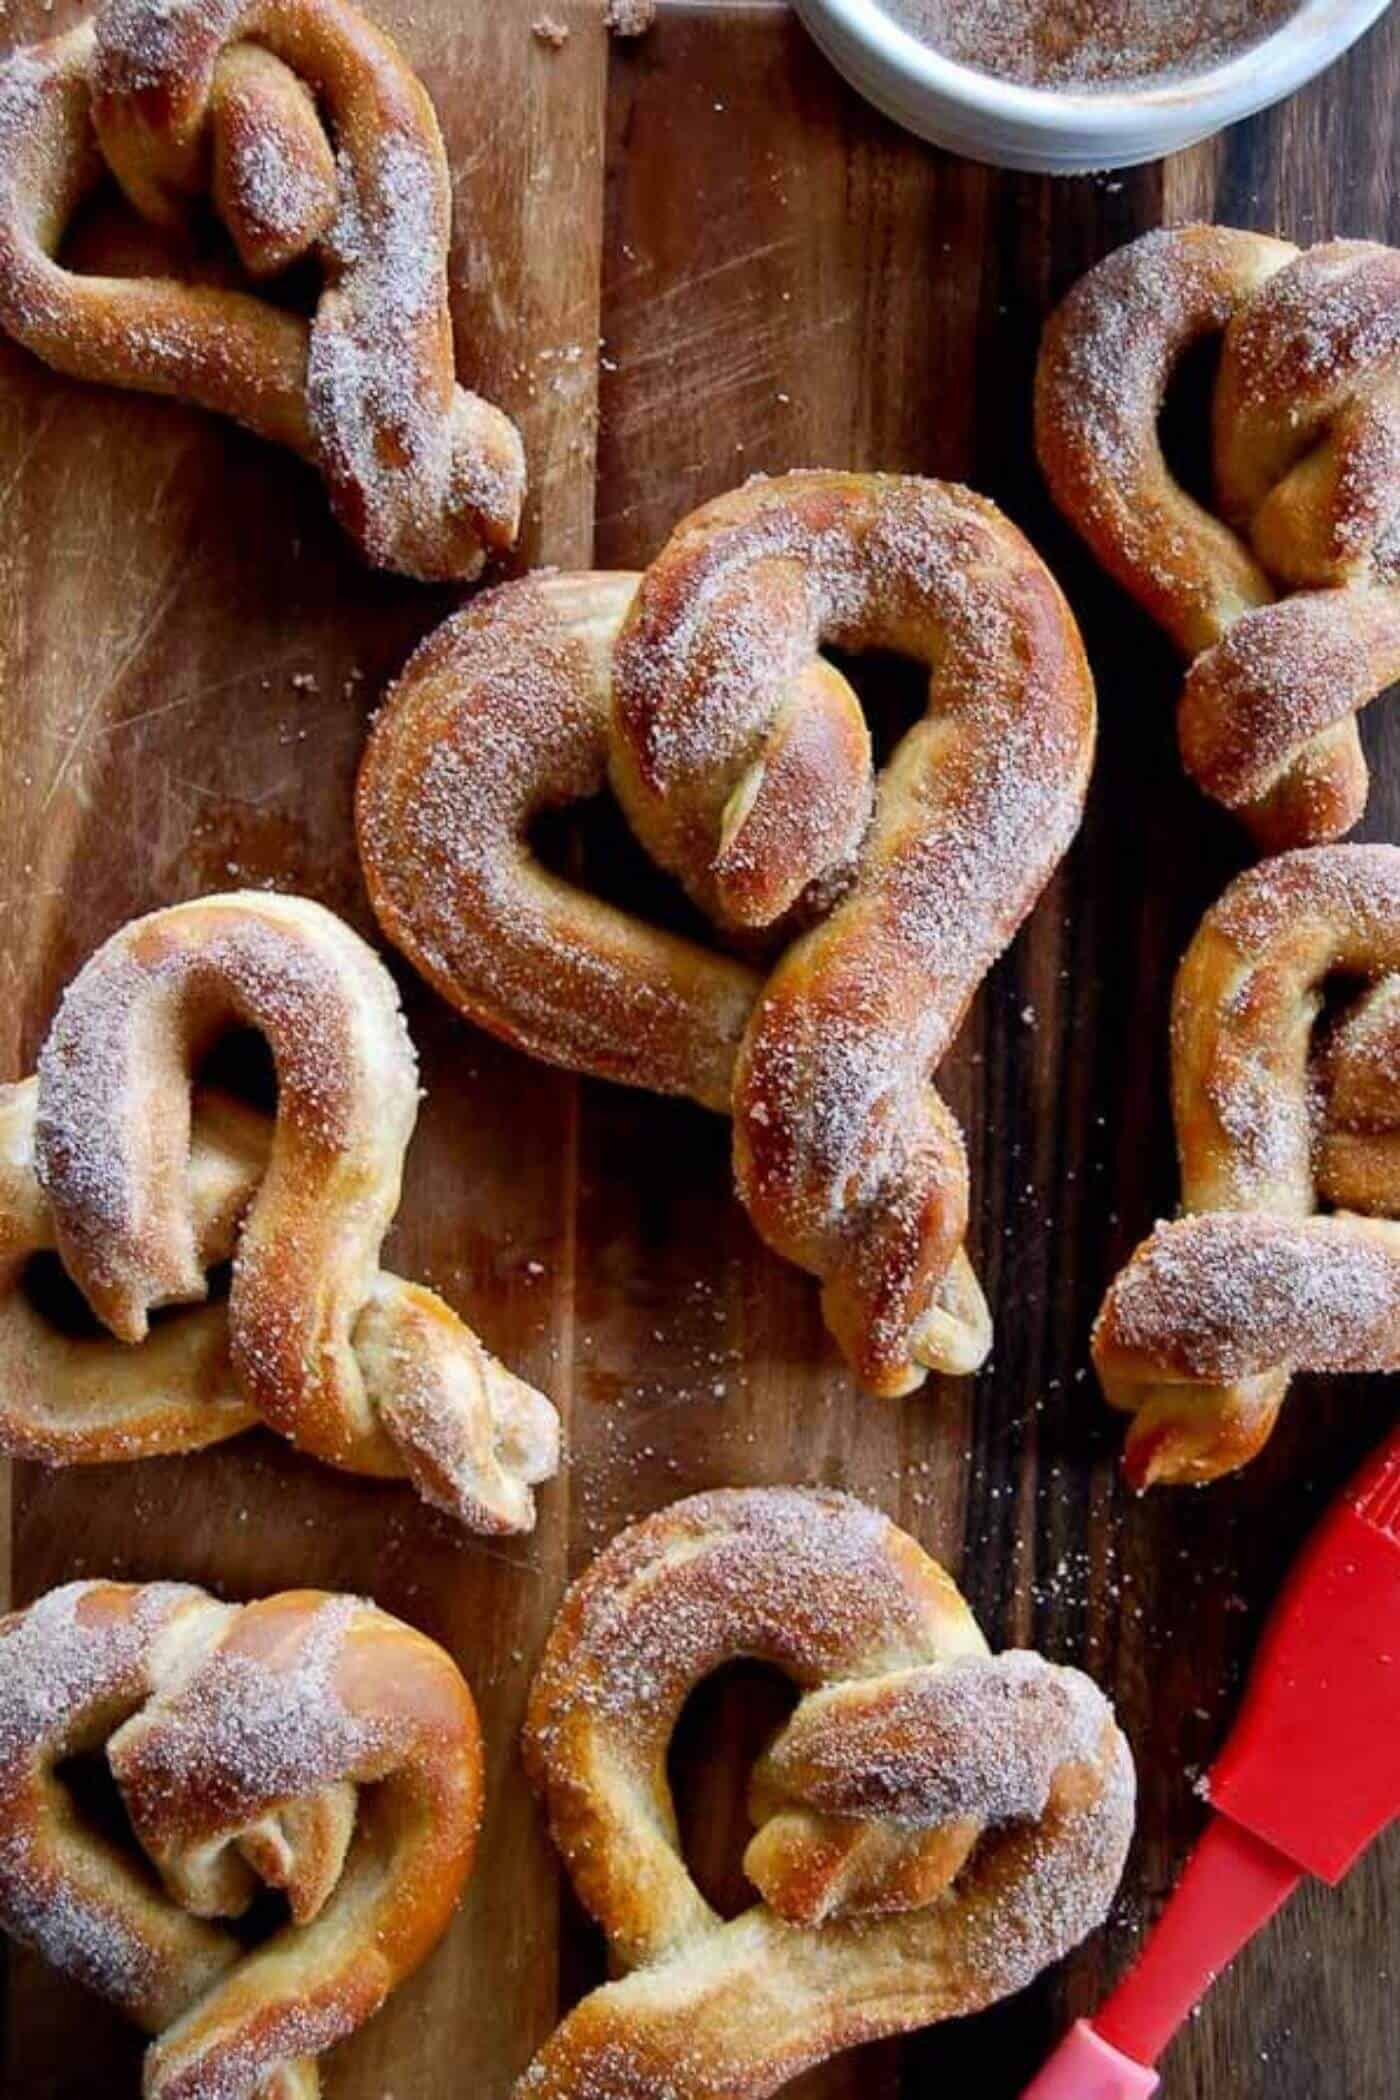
(1310, 1774)
(1232, 1885)
(1086, 2067)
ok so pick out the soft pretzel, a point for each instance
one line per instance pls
(141, 1186)
(313, 138)
(1287, 599)
(307, 1743)
(934, 1824)
(742, 760)
(1283, 1104)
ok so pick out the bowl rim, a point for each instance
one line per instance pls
(1307, 41)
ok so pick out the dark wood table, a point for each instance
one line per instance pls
(682, 261)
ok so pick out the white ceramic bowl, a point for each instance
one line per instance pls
(1061, 132)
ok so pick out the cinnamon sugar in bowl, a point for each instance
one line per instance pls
(1069, 85)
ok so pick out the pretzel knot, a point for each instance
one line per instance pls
(935, 1825)
(307, 1743)
(1286, 1092)
(141, 1185)
(742, 760)
(1288, 600)
(311, 138)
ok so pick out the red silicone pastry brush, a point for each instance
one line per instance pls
(1309, 1775)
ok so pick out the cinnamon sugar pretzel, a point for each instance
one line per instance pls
(311, 138)
(1282, 1107)
(107, 1160)
(934, 1824)
(742, 760)
(1288, 601)
(307, 1743)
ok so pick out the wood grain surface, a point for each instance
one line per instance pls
(686, 260)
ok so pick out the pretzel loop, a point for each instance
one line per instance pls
(742, 761)
(308, 1743)
(140, 1195)
(311, 135)
(1283, 1105)
(1288, 601)
(934, 1824)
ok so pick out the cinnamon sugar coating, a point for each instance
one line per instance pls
(742, 761)
(140, 1186)
(1090, 44)
(933, 1826)
(315, 140)
(307, 1743)
(1284, 1105)
(1285, 594)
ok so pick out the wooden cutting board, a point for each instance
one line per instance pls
(684, 261)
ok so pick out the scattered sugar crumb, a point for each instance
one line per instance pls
(629, 17)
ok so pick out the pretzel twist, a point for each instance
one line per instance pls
(1282, 1105)
(1288, 600)
(312, 138)
(307, 1743)
(141, 1187)
(935, 1824)
(742, 760)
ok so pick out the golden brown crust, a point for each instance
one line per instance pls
(501, 715)
(308, 1742)
(934, 1824)
(1355, 1078)
(1306, 452)
(1281, 1107)
(743, 763)
(317, 140)
(845, 1158)
(141, 1188)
